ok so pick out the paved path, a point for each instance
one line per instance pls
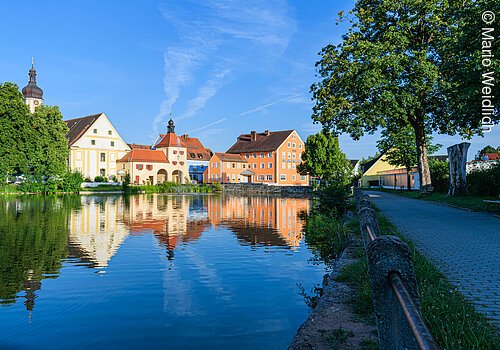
(464, 245)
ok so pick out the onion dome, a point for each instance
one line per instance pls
(32, 90)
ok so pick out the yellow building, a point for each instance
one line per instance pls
(94, 146)
(379, 173)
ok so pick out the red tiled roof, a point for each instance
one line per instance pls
(493, 156)
(195, 150)
(144, 155)
(136, 145)
(259, 142)
(228, 157)
(170, 140)
(78, 126)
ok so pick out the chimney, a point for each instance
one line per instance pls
(253, 136)
(267, 132)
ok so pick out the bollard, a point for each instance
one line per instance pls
(386, 255)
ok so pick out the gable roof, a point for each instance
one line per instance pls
(170, 140)
(78, 126)
(369, 164)
(259, 142)
(228, 157)
(144, 155)
(195, 150)
(139, 146)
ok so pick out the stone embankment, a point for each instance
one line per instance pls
(259, 189)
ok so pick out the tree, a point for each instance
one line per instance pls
(323, 158)
(13, 127)
(394, 67)
(400, 149)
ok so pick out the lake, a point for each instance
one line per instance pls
(153, 272)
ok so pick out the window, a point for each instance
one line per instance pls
(216, 165)
(293, 155)
(270, 155)
(270, 165)
(228, 165)
(262, 155)
(289, 166)
(248, 155)
(283, 155)
(302, 178)
(234, 177)
(228, 178)
(283, 177)
(200, 156)
(255, 155)
(293, 136)
(293, 145)
(260, 177)
(294, 177)
(212, 165)
(243, 166)
(103, 157)
(289, 155)
(95, 131)
(175, 152)
(300, 146)
(112, 143)
(149, 167)
(289, 144)
(139, 166)
(92, 142)
(102, 172)
(293, 166)
(255, 165)
(181, 153)
(269, 177)
(262, 165)
(192, 155)
(239, 165)
(234, 165)
(110, 132)
(283, 165)
(216, 176)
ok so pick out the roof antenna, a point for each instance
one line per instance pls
(32, 61)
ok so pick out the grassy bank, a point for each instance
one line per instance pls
(474, 203)
(102, 188)
(452, 320)
(169, 187)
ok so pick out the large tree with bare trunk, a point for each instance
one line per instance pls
(401, 63)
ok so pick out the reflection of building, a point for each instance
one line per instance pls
(95, 231)
(260, 220)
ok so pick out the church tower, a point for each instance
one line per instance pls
(31, 92)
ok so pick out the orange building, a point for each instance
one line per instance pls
(271, 157)
(228, 168)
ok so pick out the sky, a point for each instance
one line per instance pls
(221, 68)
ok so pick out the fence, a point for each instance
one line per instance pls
(394, 286)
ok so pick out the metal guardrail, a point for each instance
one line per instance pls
(393, 282)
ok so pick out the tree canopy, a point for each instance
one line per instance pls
(33, 144)
(394, 67)
(324, 159)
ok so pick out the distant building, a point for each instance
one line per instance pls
(166, 162)
(33, 95)
(356, 166)
(271, 158)
(94, 146)
(229, 168)
(379, 173)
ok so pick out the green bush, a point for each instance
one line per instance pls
(100, 179)
(333, 200)
(440, 175)
(217, 186)
(71, 182)
(485, 182)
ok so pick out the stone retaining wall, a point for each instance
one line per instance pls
(259, 189)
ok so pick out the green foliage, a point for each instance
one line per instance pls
(323, 158)
(440, 174)
(100, 179)
(126, 182)
(485, 182)
(397, 66)
(71, 182)
(333, 200)
(326, 237)
(217, 186)
(32, 144)
(169, 187)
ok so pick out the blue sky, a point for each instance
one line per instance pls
(221, 67)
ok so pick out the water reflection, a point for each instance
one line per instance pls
(37, 234)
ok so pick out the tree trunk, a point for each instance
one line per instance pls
(457, 157)
(408, 180)
(423, 165)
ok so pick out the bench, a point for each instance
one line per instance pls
(491, 202)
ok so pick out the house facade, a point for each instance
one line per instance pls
(271, 158)
(94, 146)
(228, 168)
(166, 162)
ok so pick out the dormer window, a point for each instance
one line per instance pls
(110, 132)
(200, 155)
(192, 155)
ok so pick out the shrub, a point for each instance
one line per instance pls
(100, 179)
(485, 182)
(71, 182)
(333, 200)
(126, 182)
(440, 175)
(216, 186)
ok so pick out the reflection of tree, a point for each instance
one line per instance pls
(33, 240)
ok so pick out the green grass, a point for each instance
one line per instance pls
(474, 203)
(452, 320)
(102, 188)
(9, 189)
(169, 187)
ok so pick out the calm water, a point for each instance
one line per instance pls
(153, 272)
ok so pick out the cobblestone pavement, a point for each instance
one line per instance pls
(464, 245)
